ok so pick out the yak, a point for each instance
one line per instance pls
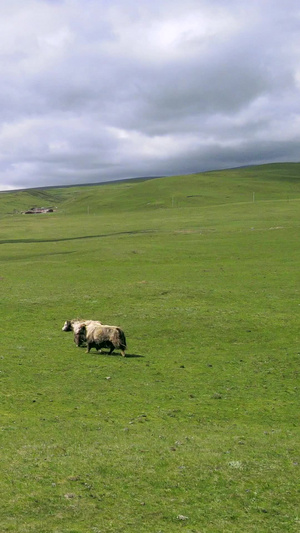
(103, 336)
(76, 324)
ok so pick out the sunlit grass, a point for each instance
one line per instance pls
(197, 429)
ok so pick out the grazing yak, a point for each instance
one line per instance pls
(75, 325)
(103, 336)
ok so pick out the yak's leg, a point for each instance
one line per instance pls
(123, 353)
(99, 347)
(111, 348)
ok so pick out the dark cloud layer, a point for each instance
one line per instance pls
(99, 90)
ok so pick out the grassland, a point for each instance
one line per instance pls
(197, 430)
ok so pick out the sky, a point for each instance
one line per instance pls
(101, 90)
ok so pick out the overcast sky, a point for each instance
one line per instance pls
(95, 90)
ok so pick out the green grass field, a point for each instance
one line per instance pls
(197, 430)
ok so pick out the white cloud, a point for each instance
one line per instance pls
(113, 89)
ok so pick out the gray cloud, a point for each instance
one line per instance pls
(110, 89)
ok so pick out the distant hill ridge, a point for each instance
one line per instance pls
(89, 184)
(275, 181)
(274, 166)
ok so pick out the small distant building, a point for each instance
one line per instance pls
(36, 210)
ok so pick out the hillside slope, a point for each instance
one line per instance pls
(279, 181)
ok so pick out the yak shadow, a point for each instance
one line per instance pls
(114, 354)
(132, 355)
(117, 354)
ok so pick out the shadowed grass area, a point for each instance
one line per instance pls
(197, 429)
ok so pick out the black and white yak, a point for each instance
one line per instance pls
(103, 336)
(76, 324)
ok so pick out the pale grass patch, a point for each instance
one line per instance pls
(237, 465)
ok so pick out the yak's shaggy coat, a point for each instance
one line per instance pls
(76, 324)
(104, 336)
